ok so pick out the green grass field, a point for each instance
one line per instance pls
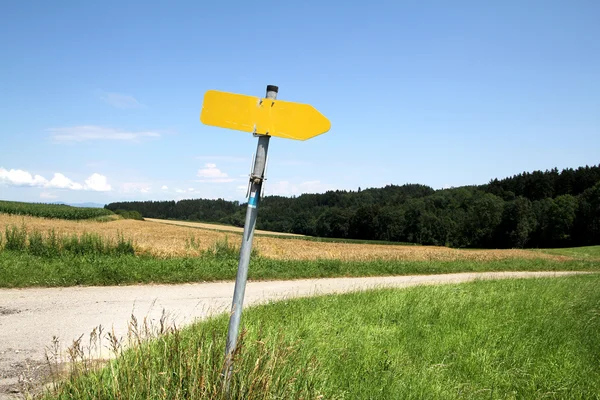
(59, 211)
(21, 269)
(585, 252)
(512, 339)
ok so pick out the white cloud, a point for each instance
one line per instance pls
(91, 132)
(119, 100)
(211, 174)
(59, 181)
(179, 191)
(134, 187)
(48, 195)
(17, 177)
(211, 171)
(190, 189)
(165, 187)
(98, 183)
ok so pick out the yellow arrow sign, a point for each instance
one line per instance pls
(262, 116)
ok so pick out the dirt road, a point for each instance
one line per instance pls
(29, 318)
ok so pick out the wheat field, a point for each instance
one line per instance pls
(166, 240)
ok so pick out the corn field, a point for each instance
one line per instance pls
(58, 211)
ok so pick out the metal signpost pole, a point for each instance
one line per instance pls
(265, 118)
(256, 181)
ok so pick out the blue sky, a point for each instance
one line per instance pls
(100, 101)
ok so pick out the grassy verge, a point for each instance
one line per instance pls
(584, 252)
(534, 338)
(18, 269)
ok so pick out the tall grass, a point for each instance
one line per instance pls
(192, 243)
(187, 366)
(535, 338)
(36, 243)
(130, 214)
(16, 238)
(224, 250)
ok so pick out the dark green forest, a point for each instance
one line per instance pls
(537, 209)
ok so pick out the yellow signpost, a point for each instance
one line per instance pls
(264, 117)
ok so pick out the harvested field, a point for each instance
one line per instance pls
(224, 228)
(164, 240)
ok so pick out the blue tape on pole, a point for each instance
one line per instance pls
(253, 201)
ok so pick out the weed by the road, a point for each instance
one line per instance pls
(36, 243)
(16, 238)
(193, 243)
(224, 250)
(158, 360)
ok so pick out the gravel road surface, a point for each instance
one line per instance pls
(30, 318)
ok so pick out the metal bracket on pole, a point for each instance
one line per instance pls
(262, 193)
(250, 174)
(254, 192)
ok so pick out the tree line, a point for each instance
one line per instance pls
(537, 209)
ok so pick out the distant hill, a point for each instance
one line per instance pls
(86, 205)
(80, 205)
(47, 210)
(539, 209)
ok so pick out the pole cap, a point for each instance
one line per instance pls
(272, 88)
